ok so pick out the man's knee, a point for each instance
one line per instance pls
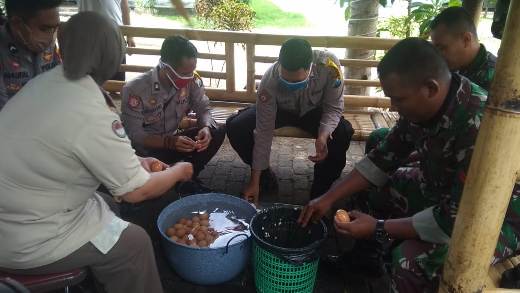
(375, 138)
(139, 239)
(219, 134)
(241, 123)
(343, 133)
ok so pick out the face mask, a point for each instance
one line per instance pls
(178, 81)
(33, 43)
(294, 86)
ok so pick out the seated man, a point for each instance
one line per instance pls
(27, 46)
(303, 89)
(455, 36)
(154, 104)
(440, 118)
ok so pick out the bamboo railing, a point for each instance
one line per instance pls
(251, 40)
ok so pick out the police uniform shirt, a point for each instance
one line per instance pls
(324, 90)
(18, 65)
(60, 141)
(148, 108)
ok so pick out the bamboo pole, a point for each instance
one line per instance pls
(492, 173)
(230, 66)
(157, 52)
(250, 63)
(371, 43)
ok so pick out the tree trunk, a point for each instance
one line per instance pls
(474, 8)
(363, 22)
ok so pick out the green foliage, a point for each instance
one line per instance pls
(146, 4)
(233, 15)
(398, 26)
(417, 22)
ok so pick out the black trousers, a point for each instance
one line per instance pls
(240, 133)
(199, 160)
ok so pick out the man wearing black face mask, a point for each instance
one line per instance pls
(27, 43)
(155, 102)
(303, 89)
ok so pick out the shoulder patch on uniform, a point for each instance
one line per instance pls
(264, 96)
(336, 72)
(118, 129)
(197, 79)
(134, 102)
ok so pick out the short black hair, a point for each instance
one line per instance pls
(295, 53)
(175, 48)
(28, 8)
(456, 19)
(415, 60)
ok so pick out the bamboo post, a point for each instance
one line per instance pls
(474, 8)
(230, 67)
(250, 59)
(492, 173)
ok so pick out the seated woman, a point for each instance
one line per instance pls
(60, 141)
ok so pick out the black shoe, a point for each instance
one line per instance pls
(268, 181)
(191, 187)
(366, 258)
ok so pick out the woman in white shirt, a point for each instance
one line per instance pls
(59, 142)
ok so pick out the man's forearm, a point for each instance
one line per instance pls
(401, 229)
(153, 142)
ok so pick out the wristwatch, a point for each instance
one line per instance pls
(380, 234)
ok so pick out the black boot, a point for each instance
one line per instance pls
(268, 181)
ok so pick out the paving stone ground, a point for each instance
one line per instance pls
(228, 174)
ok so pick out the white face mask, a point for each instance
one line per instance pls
(34, 44)
(178, 81)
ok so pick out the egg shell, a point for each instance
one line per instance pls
(156, 166)
(342, 216)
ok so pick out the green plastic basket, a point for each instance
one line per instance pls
(272, 274)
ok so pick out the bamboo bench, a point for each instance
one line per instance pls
(363, 122)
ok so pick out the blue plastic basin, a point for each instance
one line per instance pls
(206, 266)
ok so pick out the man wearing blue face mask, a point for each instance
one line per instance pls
(304, 88)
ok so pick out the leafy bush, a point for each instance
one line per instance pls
(417, 22)
(233, 15)
(398, 26)
(146, 4)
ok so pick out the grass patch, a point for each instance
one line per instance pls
(267, 15)
(270, 15)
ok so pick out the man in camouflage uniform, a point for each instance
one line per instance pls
(440, 118)
(304, 88)
(27, 46)
(454, 34)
